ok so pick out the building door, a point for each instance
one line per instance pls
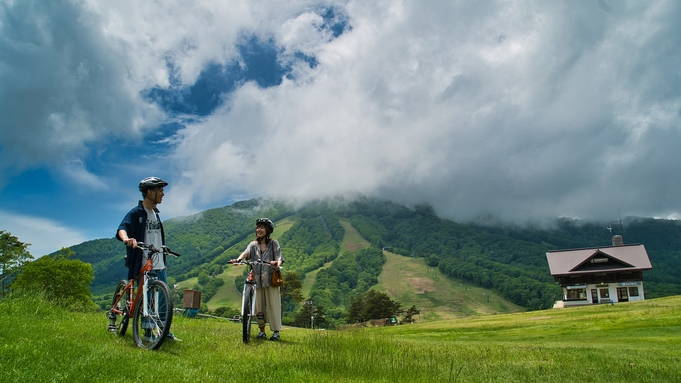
(605, 295)
(594, 296)
(622, 295)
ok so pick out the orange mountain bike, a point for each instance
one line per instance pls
(151, 304)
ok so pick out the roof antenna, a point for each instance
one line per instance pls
(621, 228)
(617, 240)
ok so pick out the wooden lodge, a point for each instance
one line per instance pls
(600, 274)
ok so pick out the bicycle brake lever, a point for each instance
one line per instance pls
(168, 251)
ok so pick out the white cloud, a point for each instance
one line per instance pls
(45, 236)
(76, 172)
(63, 85)
(521, 109)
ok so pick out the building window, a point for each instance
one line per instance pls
(622, 294)
(633, 291)
(576, 294)
(605, 293)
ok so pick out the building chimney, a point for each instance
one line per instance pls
(617, 240)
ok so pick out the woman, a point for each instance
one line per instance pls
(268, 297)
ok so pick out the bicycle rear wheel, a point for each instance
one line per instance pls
(246, 312)
(151, 330)
(119, 314)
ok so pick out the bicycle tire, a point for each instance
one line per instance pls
(151, 331)
(246, 313)
(119, 319)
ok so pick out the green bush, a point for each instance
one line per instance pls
(61, 280)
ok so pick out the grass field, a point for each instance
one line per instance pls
(628, 342)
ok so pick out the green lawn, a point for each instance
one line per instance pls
(627, 342)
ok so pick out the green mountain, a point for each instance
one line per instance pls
(343, 248)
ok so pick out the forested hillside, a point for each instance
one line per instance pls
(509, 259)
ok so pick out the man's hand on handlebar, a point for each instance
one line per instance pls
(131, 242)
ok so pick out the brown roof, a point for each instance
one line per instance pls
(625, 257)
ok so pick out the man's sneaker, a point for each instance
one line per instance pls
(171, 336)
(262, 335)
(275, 336)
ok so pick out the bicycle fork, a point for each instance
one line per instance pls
(150, 308)
(245, 299)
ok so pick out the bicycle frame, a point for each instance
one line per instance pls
(130, 290)
(250, 281)
(141, 296)
(249, 295)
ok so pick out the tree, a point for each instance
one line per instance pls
(226, 312)
(203, 278)
(409, 314)
(356, 309)
(62, 280)
(372, 305)
(293, 287)
(378, 305)
(310, 316)
(13, 254)
(432, 260)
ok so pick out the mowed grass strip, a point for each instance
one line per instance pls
(411, 282)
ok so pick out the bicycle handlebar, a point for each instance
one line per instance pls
(153, 249)
(252, 263)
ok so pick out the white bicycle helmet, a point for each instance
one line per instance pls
(150, 183)
(267, 222)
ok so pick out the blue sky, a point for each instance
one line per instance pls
(524, 110)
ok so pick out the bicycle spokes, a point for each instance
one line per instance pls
(153, 316)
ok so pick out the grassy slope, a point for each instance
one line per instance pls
(628, 342)
(411, 282)
(352, 240)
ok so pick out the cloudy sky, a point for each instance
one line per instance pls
(522, 109)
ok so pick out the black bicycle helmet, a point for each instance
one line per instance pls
(266, 222)
(151, 182)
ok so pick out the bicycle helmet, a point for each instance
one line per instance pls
(266, 222)
(150, 183)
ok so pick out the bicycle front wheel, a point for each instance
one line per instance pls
(119, 314)
(150, 329)
(247, 312)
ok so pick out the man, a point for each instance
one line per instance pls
(143, 224)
